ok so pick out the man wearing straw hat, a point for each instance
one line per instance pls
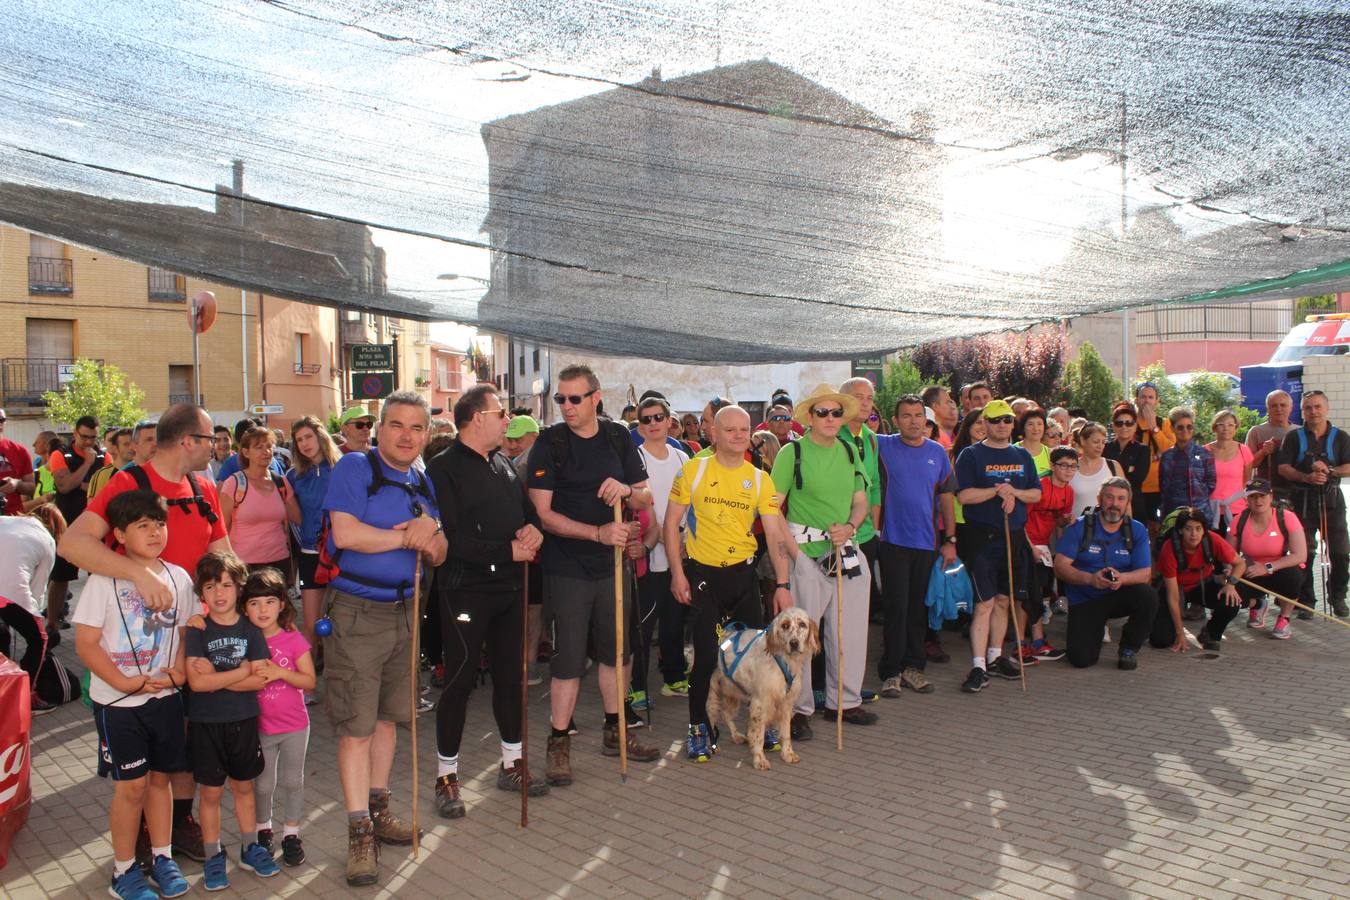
(825, 490)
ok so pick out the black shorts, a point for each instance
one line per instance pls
(136, 740)
(64, 571)
(309, 564)
(986, 558)
(221, 750)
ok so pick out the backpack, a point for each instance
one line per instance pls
(1277, 512)
(1089, 520)
(797, 459)
(241, 478)
(1303, 445)
(197, 501)
(73, 502)
(328, 567)
(949, 593)
(617, 435)
(55, 683)
(1169, 532)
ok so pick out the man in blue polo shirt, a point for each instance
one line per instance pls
(381, 522)
(1106, 576)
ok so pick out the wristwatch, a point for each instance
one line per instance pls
(1270, 568)
(785, 585)
(949, 539)
(1231, 579)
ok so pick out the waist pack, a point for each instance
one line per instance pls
(949, 593)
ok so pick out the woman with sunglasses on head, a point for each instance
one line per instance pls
(1233, 462)
(1093, 467)
(689, 431)
(1125, 449)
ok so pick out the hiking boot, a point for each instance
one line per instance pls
(292, 850)
(1129, 660)
(975, 681)
(636, 752)
(168, 878)
(771, 742)
(854, 716)
(801, 727)
(1046, 653)
(916, 681)
(634, 720)
(265, 839)
(1257, 617)
(509, 779)
(131, 885)
(363, 853)
(214, 877)
(1340, 609)
(258, 860)
(1282, 631)
(187, 839)
(448, 803)
(389, 828)
(891, 686)
(675, 688)
(1004, 667)
(934, 652)
(697, 746)
(558, 770)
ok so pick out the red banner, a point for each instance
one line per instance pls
(16, 720)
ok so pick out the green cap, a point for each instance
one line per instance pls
(354, 413)
(521, 426)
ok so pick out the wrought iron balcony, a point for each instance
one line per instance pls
(50, 275)
(23, 380)
(167, 285)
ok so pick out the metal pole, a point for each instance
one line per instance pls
(1124, 212)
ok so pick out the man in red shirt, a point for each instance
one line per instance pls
(1205, 553)
(1054, 510)
(16, 472)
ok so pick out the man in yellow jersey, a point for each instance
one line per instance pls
(718, 497)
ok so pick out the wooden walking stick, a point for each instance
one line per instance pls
(1012, 603)
(839, 648)
(412, 690)
(524, 694)
(618, 648)
(1265, 590)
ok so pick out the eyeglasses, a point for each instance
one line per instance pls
(1123, 423)
(1000, 420)
(1066, 465)
(493, 412)
(828, 413)
(1180, 427)
(86, 436)
(780, 418)
(203, 437)
(3, 419)
(654, 417)
(362, 424)
(574, 399)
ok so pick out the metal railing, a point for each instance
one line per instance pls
(50, 275)
(307, 368)
(167, 285)
(23, 380)
(1232, 322)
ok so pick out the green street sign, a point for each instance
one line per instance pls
(372, 357)
(372, 385)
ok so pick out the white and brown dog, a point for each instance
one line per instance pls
(763, 667)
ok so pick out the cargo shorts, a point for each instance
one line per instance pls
(366, 664)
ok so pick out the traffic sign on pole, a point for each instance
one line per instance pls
(372, 385)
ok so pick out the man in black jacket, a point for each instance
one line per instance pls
(491, 527)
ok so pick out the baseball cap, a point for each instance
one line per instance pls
(995, 408)
(354, 413)
(521, 426)
(1257, 486)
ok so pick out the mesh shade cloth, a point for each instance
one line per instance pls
(716, 181)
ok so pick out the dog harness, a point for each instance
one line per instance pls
(734, 643)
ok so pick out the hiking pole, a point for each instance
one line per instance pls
(1012, 602)
(524, 694)
(618, 648)
(839, 647)
(1266, 590)
(412, 691)
(1324, 548)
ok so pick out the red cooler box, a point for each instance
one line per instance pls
(16, 721)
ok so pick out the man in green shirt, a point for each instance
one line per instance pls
(823, 484)
(864, 441)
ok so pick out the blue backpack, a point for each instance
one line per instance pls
(949, 594)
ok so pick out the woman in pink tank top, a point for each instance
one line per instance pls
(1232, 469)
(258, 506)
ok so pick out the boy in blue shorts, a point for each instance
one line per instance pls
(135, 659)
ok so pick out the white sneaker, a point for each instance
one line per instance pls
(1106, 638)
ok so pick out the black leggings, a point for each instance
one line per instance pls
(1087, 622)
(468, 618)
(1164, 633)
(716, 595)
(34, 632)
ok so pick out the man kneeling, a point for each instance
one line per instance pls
(1103, 560)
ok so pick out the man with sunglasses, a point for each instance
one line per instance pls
(579, 470)
(779, 423)
(356, 425)
(16, 472)
(997, 482)
(825, 489)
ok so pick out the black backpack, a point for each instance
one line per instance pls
(797, 458)
(73, 502)
(187, 504)
(1277, 512)
(55, 683)
(617, 435)
(1089, 519)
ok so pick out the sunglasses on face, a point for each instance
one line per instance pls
(1123, 423)
(493, 412)
(1183, 427)
(828, 413)
(362, 424)
(574, 399)
(780, 418)
(653, 417)
(1000, 420)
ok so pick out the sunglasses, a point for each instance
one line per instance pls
(1123, 423)
(363, 424)
(780, 418)
(654, 417)
(1000, 420)
(493, 412)
(1183, 427)
(574, 399)
(828, 413)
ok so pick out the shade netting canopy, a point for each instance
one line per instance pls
(707, 181)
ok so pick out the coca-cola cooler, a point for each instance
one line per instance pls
(16, 721)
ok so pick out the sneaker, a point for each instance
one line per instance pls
(213, 873)
(1026, 656)
(636, 752)
(363, 853)
(509, 779)
(40, 706)
(934, 652)
(168, 878)
(1282, 632)
(975, 681)
(1128, 661)
(867, 696)
(265, 839)
(916, 681)
(633, 719)
(258, 861)
(389, 828)
(131, 885)
(1046, 653)
(638, 700)
(1062, 606)
(292, 850)
(1257, 617)
(1106, 635)
(558, 770)
(891, 686)
(697, 747)
(1004, 667)
(187, 840)
(1047, 613)
(424, 705)
(801, 727)
(771, 742)
(535, 675)
(448, 803)
(675, 689)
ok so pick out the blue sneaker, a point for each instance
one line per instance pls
(130, 885)
(771, 741)
(870, 696)
(168, 877)
(697, 745)
(1128, 661)
(258, 861)
(213, 873)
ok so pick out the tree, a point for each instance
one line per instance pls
(1089, 384)
(898, 379)
(1025, 365)
(1168, 393)
(96, 390)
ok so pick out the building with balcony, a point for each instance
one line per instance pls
(449, 377)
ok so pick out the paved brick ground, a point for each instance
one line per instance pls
(1188, 778)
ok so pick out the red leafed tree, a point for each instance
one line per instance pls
(1027, 364)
